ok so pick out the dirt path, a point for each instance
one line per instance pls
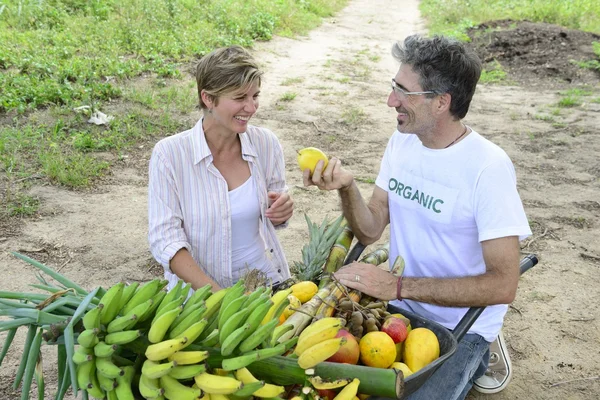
(339, 75)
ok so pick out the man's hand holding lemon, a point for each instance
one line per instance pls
(319, 171)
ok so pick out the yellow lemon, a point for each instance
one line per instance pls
(309, 157)
(304, 291)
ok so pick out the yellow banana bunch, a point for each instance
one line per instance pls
(321, 330)
(278, 299)
(217, 384)
(320, 352)
(267, 391)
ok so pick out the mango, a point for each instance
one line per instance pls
(420, 348)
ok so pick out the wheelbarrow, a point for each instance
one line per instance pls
(448, 339)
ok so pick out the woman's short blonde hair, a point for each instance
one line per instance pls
(225, 70)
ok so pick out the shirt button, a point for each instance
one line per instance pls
(279, 270)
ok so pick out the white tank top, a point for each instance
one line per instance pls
(248, 250)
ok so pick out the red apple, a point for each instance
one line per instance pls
(349, 353)
(395, 328)
(327, 394)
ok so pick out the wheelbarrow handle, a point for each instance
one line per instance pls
(473, 313)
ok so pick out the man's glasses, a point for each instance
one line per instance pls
(401, 93)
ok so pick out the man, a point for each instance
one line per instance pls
(451, 200)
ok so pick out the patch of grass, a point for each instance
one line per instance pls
(455, 17)
(353, 116)
(22, 205)
(569, 101)
(545, 118)
(365, 180)
(292, 81)
(493, 73)
(288, 96)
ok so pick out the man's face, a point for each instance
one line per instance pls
(414, 110)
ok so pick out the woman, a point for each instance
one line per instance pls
(217, 192)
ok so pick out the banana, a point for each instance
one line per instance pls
(122, 337)
(110, 303)
(149, 387)
(182, 372)
(83, 355)
(84, 374)
(349, 391)
(112, 395)
(156, 300)
(123, 388)
(194, 317)
(211, 340)
(188, 357)
(290, 343)
(141, 309)
(280, 308)
(259, 335)
(106, 367)
(91, 319)
(277, 298)
(155, 370)
(249, 389)
(172, 294)
(234, 306)
(213, 303)
(232, 364)
(128, 292)
(159, 326)
(257, 315)
(328, 332)
(319, 325)
(322, 384)
(190, 310)
(268, 390)
(107, 384)
(199, 295)
(234, 322)
(233, 340)
(254, 295)
(104, 350)
(213, 322)
(144, 293)
(233, 293)
(121, 323)
(320, 352)
(193, 332)
(160, 351)
(185, 290)
(88, 338)
(174, 390)
(167, 307)
(278, 332)
(94, 388)
(217, 384)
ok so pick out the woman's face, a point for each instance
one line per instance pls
(233, 110)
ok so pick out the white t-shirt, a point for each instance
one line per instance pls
(248, 250)
(442, 204)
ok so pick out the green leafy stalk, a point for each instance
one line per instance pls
(32, 362)
(58, 277)
(9, 338)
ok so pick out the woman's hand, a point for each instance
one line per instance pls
(281, 207)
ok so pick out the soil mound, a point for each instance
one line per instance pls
(537, 54)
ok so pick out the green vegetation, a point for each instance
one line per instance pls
(62, 60)
(493, 73)
(573, 97)
(454, 17)
(288, 96)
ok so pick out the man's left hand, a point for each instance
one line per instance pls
(281, 207)
(369, 279)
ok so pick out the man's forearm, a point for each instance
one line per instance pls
(471, 291)
(365, 224)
